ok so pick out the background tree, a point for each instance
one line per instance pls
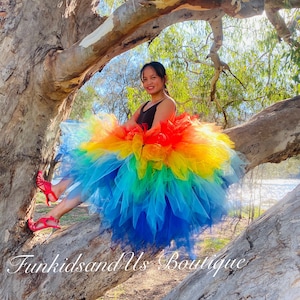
(183, 48)
(48, 51)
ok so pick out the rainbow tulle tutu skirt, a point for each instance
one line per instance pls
(151, 187)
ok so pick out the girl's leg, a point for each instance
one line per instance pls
(56, 212)
(63, 207)
(59, 188)
(53, 192)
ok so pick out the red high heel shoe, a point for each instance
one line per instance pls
(45, 187)
(33, 225)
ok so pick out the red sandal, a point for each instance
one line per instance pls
(33, 225)
(45, 187)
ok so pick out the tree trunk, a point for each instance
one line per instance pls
(48, 51)
(266, 262)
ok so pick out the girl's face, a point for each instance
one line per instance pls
(152, 83)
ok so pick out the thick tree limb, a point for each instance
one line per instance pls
(278, 22)
(269, 248)
(270, 136)
(63, 71)
(70, 258)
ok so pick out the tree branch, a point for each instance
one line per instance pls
(259, 274)
(270, 136)
(64, 71)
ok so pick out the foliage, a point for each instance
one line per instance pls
(106, 7)
(261, 71)
(211, 245)
(115, 84)
(250, 212)
(256, 72)
(287, 169)
(109, 91)
(83, 104)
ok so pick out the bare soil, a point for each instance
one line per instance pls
(165, 272)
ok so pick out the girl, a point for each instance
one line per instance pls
(158, 178)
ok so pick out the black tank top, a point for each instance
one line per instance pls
(147, 117)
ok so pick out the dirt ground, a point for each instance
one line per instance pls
(161, 275)
(154, 283)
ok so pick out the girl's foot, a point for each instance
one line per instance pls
(42, 223)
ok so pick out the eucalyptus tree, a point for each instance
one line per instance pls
(49, 49)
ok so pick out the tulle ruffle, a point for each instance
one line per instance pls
(151, 187)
